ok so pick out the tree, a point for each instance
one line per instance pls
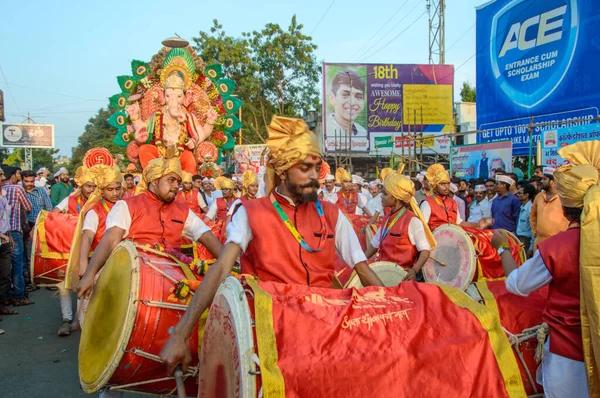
(97, 133)
(467, 93)
(275, 72)
(41, 157)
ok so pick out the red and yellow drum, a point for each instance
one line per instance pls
(464, 255)
(52, 237)
(520, 318)
(218, 230)
(275, 340)
(391, 274)
(130, 315)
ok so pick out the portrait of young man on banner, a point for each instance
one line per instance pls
(345, 101)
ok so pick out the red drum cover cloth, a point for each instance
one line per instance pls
(490, 264)
(406, 341)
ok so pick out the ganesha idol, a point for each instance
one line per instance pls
(170, 103)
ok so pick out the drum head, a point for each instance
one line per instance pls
(391, 274)
(109, 318)
(455, 249)
(228, 347)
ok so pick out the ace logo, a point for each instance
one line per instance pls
(532, 46)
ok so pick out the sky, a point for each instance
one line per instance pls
(60, 58)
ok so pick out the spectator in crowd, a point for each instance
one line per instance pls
(539, 171)
(547, 218)
(62, 188)
(39, 201)
(479, 208)
(375, 204)
(424, 191)
(5, 253)
(463, 187)
(536, 182)
(506, 206)
(41, 179)
(459, 202)
(526, 194)
(514, 188)
(490, 191)
(20, 206)
(129, 190)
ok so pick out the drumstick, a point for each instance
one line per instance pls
(443, 264)
(179, 381)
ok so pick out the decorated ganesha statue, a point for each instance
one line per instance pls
(175, 100)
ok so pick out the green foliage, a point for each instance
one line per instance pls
(275, 71)
(97, 133)
(41, 158)
(467, 93)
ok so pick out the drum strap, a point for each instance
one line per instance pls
(388, 226)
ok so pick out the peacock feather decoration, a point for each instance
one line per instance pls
(205, 88)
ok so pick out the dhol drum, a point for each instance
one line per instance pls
(188, 247)
(52, 237)
(276, 340)
(464, 255)
(391, 274)
(131, 312)
(520, 317)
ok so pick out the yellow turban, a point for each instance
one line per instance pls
(160, 167)
(403, 189)
(249, 178)
(385, 172)
(224, 183)
(342, 175)
(578, 186)
(82, 176)
(436, 173)
(290, 142)
(101, 175)
(187, 177)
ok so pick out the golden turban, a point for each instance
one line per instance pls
(249, 178)
(101, 175)
(403, 189)
(578, 186)
(160, 167)
(82, 176)
(223, 183)
(290, 142)
(342, 175)
(436, 173)
(385, 172)
(186, 177)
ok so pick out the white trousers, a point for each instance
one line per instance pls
(66, 304)
(562, 377)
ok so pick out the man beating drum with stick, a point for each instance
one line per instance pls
(289, 223)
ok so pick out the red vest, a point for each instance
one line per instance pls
(129, 193)
(222, 208)
(190, 199)
(275, 255)
(102, 213)
(153, 221)
(562, 313)
(396, 247)
(443, 213)
(347, 202)
(73, 207)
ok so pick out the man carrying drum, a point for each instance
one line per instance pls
(403, 238)
(439, 209)
(91, 226)
(288, 236)
(151, 217)
(566, 262)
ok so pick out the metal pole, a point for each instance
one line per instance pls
(530, 129)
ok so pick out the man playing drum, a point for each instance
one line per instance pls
(91, 226)
(565, 261)
(403, 238)
(439, 209)
(190, 196)
(151, 217)
(73, 203)
(289, 236)
(350, 201)
(220, 207)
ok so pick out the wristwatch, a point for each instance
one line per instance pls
(501, 250)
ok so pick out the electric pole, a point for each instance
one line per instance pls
(437, 37)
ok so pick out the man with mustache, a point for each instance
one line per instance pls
(546, 216)
(151, 217)
(288, 236)
(75, 202)
(62, 188)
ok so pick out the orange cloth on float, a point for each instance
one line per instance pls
(148, 152)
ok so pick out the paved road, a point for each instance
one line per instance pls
(34, 361)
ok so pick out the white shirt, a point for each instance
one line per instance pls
(480, 210)
(362, 203)
(332, 196)
(64, 204)
(347, 245)
(333, 125)
(210, 199)
(416, 235)
(262, 186)
(119, 216)
(460, 204)
(212, 210)
(530, 276)
(375, 205)
(91, 221)
(426, 210)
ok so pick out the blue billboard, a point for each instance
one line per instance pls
(536, 58)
